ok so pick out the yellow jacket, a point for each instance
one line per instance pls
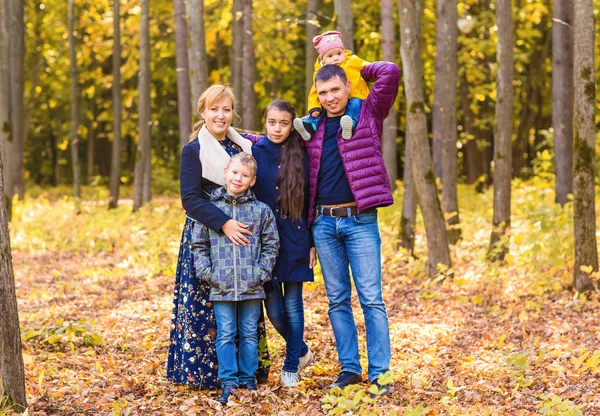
(352, 65)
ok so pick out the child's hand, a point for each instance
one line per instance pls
(315, 113)
(313, 258)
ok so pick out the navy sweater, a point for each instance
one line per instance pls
(292, 263)
(195, 190)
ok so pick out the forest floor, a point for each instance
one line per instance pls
(95, 295)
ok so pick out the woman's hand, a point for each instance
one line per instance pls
(235, 230)
(313, 258)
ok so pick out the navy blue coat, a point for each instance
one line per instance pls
(294, 237)
(195, 190)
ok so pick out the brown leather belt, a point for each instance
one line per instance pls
(344, 212)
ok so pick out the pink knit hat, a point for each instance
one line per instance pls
(328, 41)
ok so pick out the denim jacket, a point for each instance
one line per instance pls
(237, 273)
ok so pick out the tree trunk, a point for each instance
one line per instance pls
(409, 197)
(390, 124)
(531, 101)
(115, 160)
(410, 49)
(197, 50)
(237, 50)
(140, 188)
(5, 125)
(74, 105)
(91, 154)
(184, 99)
(344, 21)
(249, 70)
(16, 41)
(444, 113)
(12, 372)
(562, 97)
(312, 7)
(472, 156)
(503, 132)
(584, 153)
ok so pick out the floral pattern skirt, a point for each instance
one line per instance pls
(192, 349)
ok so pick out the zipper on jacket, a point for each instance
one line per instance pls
(235, 281)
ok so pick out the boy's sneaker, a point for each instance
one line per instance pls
(306, 360)
(300, 128)
(346, 123)
(289, 379)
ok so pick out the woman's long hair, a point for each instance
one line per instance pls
(290, 178)
(213, 95)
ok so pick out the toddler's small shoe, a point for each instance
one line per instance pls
(289, 379)
(346, 123)
(301, 129)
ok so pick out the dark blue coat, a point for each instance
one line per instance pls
(294, 236)
(195, 190)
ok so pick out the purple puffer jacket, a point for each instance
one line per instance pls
(361, 155)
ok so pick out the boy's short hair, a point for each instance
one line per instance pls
(327, 72)
(245, 159)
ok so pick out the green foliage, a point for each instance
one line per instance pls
(553, 405)
(520, 364)
(353, 399)
(62, 332)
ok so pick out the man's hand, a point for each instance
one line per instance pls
(235, 230)
(313, 258)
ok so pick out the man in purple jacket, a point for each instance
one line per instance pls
(348, 181)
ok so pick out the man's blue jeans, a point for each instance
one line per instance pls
(354, 241)
(286, 312)
(239, 318)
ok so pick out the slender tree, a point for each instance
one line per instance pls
(5, 125)
(184, 100)
(562, 97)
(12, 372)
(503, 132)
(312, 29)
(410, 49)
(390, 125)
(16, 39)
(115, 161)
(237, 50)
(197, 50)
(75, 109)
(408, 220)
(344, 21)
(249, 70)
(140, 187)
(584, 153)
(91, 154)
(444, 113)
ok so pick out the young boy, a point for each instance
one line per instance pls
(332, 52)
(237, 273)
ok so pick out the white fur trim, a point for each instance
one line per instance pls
(214, 158)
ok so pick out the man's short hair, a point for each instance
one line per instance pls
(328, 72)
(246, 159)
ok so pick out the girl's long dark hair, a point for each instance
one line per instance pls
(290, 178)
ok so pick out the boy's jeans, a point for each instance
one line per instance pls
(354, 241)
(286, 312)
(239, 318)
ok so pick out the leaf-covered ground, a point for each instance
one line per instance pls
(504, 339)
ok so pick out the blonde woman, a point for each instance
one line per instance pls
(192, 350)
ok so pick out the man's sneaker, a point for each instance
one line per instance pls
(289, 379)
(345, 378)
(306, 360)
(299, 126)
(384, 390)
(346, 123)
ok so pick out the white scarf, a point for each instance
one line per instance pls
(214, 158)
